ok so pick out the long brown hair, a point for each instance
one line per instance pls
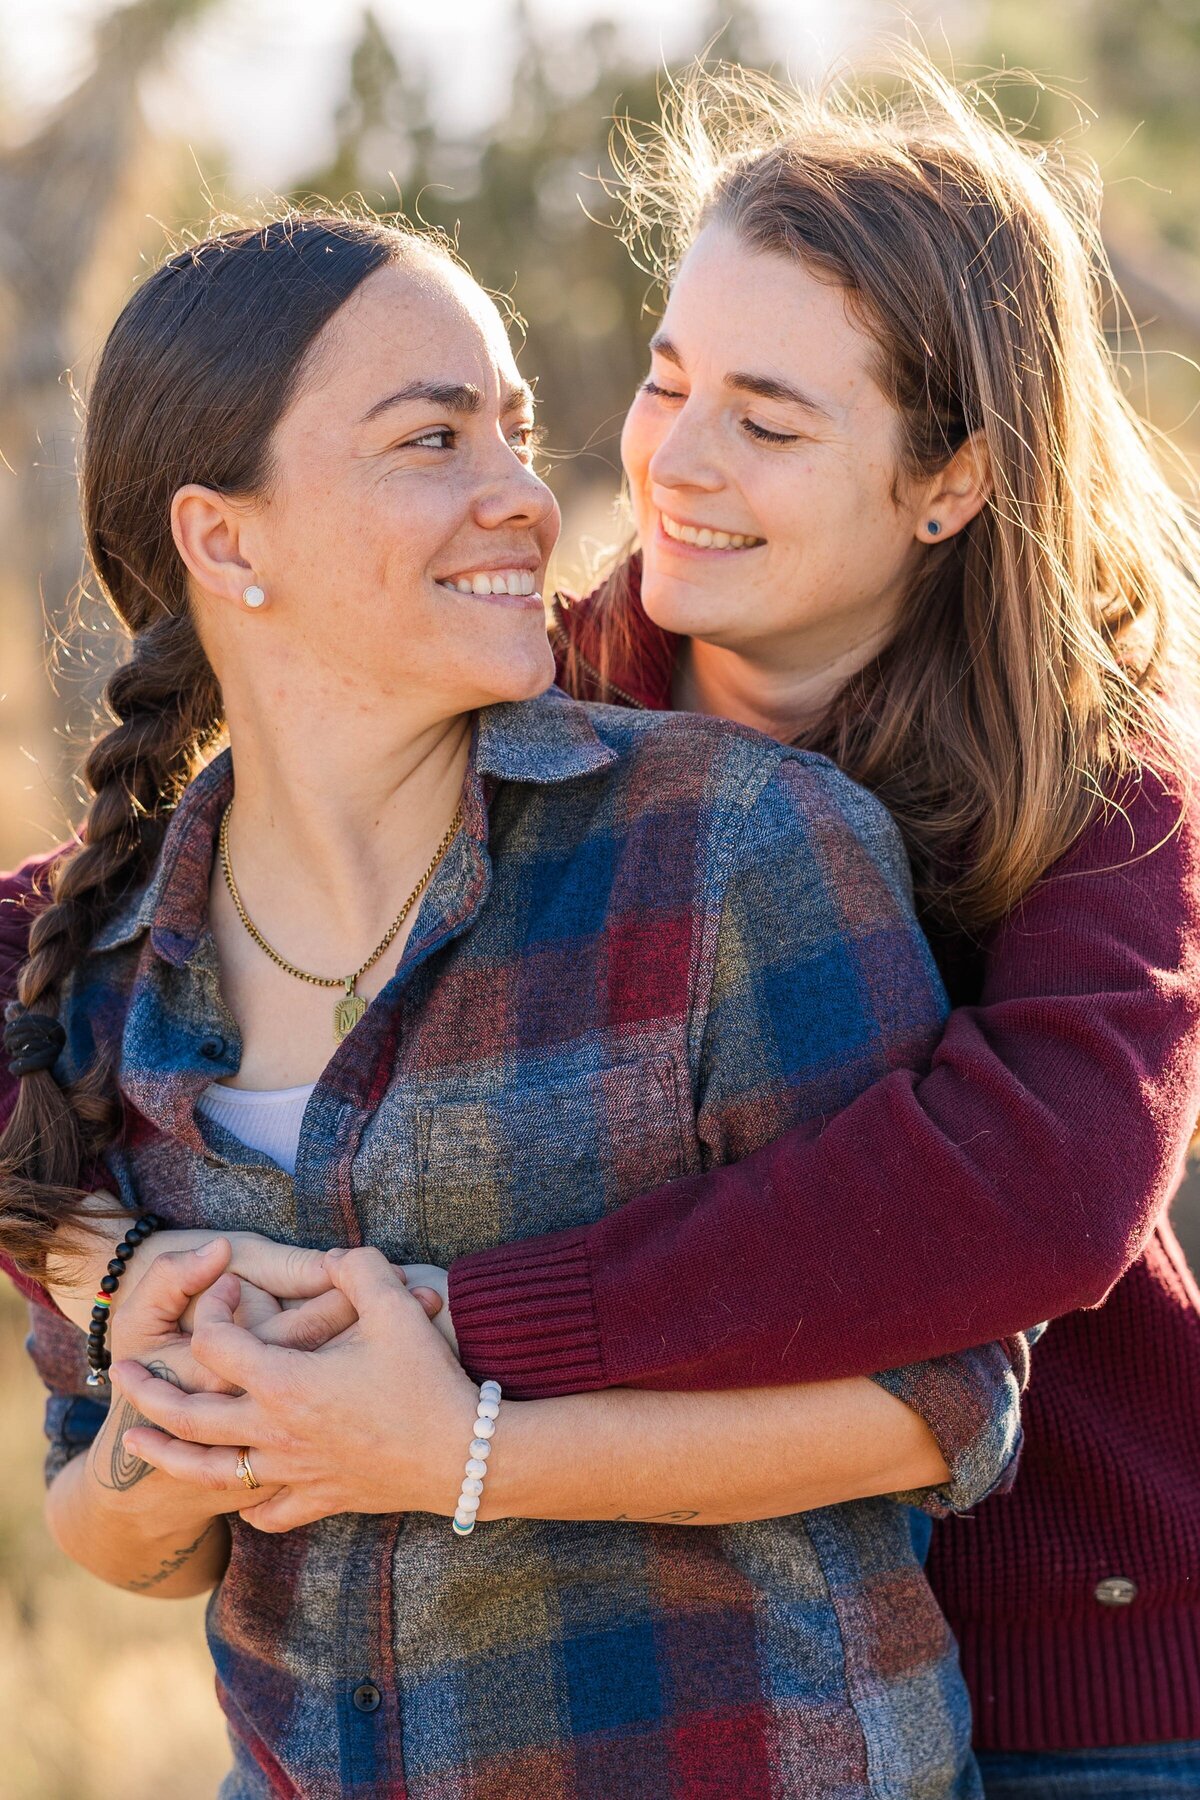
(1037, 649)
(193, 379)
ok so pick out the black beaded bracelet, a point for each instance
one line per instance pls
(99, 1359)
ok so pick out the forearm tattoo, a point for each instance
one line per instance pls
(170, 1565)
(667, 1518)
(115, 1466)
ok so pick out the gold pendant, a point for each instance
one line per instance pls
(346, 1014)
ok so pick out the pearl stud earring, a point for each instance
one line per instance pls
(254, 596)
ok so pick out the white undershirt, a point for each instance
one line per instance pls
(265, 1119)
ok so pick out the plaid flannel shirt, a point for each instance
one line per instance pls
(655, 944)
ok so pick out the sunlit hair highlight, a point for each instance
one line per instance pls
(1041, 651)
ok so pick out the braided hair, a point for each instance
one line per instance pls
(198, 370)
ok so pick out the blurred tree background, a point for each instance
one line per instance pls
(86, 190)
(85, 195)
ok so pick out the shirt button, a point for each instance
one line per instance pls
(367, 1697)
(213, 1048)
(1116, 1590)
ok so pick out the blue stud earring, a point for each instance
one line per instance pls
(933, 527)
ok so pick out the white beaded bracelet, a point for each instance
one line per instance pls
(487, 1412)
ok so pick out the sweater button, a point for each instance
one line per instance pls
(367, 1697)
(1116, 1590)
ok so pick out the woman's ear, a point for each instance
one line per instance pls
(957, 492)
(210, 532)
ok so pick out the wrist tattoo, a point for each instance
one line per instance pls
(170, 1565)
(683, 1517)
(118, 1468)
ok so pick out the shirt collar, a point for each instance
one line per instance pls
(544, 740)
(173, 905)
(548, 739)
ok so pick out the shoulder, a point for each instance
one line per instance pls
(764, 797)
(1144, 827)
(18, 884)
(1119, 911)
(1155, 804)
(747, 762)
(23, 891)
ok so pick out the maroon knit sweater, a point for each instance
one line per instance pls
(1018, 1179)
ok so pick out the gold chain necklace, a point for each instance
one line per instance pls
(351, 1007)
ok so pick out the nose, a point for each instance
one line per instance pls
(515, 495)
(685, 457)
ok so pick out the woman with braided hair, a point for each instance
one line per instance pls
(428, 959)
(169, 711)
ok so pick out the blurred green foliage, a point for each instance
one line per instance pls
(517, 195)
(1136, 68)
(520, 201)
(86, 186)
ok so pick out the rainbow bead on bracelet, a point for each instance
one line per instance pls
(98, 1357)
(484, 1431)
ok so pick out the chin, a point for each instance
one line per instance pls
(522, 673)
(688, 610)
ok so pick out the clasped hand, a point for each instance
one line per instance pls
(375, 1419)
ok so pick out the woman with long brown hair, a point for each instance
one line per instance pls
(891, 504)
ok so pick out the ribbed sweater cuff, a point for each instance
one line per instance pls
(525, 1316)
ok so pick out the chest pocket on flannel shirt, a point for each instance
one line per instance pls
(541, 1155)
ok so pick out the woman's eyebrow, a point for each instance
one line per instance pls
(772, 387)
(455, 396)
(662, 346)
(767, 387)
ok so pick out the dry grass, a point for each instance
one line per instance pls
(103, 1693)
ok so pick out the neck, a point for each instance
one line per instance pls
(332, 825)
(783, 691)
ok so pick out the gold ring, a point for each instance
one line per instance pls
(245, 1473)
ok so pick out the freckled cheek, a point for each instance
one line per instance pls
(548, 529)
(820, 508)
(327, 534)
(405, 530)
(639, 440)
(784, 504)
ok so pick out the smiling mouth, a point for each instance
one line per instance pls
(509, 584)
(704, 537)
